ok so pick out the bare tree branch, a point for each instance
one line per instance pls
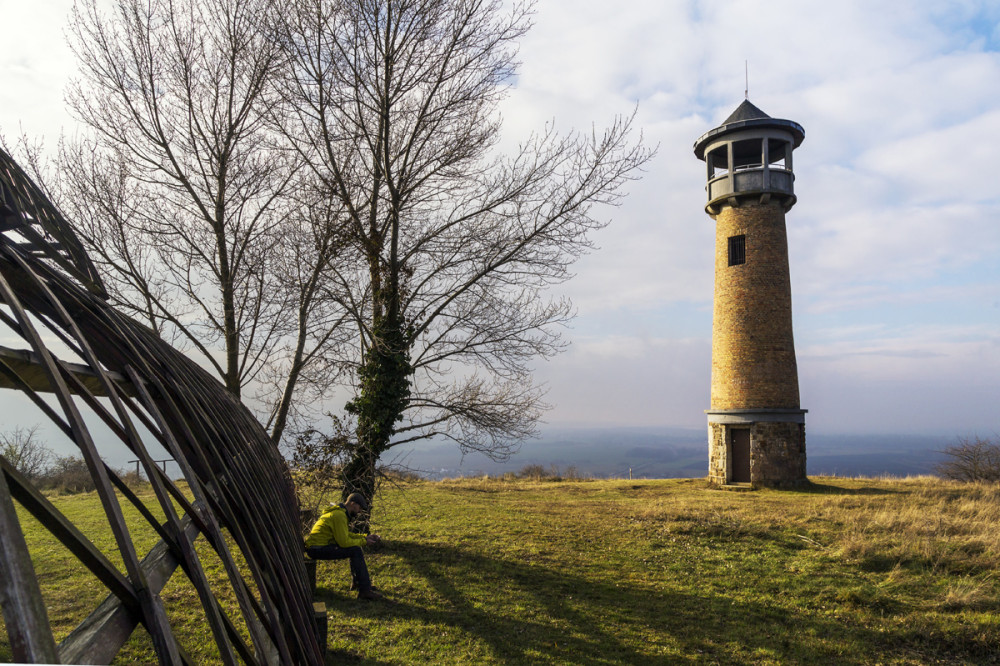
(195, 209)
(452, 247)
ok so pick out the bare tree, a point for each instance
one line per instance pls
(972, 459)
(189, 204)
(393, 105)
(22, 448)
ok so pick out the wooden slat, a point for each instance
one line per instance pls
(153, 617)
(230, 462)
(192, 564)
(99, 638)
(27, 366)
(322, 624)
(23, 197)
(20, 597)
(62, 529)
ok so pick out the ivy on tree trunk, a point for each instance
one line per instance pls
(383, 395)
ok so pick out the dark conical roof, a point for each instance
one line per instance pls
(748, 117)
(745, 111)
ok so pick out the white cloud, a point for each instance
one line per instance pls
(891, 246)
(951, 163)
(35, 66)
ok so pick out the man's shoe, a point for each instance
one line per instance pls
(355, 588)
(370, 595)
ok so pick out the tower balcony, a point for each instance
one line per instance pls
(750, 181)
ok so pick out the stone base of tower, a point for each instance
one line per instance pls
(764, 448)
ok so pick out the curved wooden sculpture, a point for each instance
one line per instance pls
(240, 497)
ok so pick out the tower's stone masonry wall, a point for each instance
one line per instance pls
(718, 454)
(777, 454)
(753, 350)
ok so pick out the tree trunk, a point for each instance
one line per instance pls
(383, 396)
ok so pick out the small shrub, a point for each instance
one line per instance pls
(533, 472)
(131, 477)
(23, 449)
(972, 459)
(539, 473)
(67, 475)
(399, 475)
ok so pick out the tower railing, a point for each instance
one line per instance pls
(750, 179)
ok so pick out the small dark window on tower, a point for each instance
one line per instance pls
(737, 250)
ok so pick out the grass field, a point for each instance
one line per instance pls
(849, 571)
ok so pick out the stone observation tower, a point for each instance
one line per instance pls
(756, 430)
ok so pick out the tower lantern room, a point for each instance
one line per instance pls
(749, 156)
(756, 428)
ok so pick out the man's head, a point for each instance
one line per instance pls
(356, 503)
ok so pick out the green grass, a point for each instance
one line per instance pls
(849, 571)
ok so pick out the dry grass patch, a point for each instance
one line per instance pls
(941, 525)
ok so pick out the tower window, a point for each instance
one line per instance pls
(737, 250)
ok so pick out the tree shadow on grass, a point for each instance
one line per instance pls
(570, 618)
(345, 657)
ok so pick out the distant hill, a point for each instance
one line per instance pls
(874, 455)
(663, 453)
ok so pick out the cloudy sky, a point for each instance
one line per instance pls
(894, 241)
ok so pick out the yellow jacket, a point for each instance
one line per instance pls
(331, 528)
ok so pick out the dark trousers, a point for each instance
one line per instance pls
(359, 570)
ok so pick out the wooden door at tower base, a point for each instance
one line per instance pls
(739, 452)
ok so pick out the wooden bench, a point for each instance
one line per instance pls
(319, 608)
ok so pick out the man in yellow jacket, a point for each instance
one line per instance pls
(330, 540)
